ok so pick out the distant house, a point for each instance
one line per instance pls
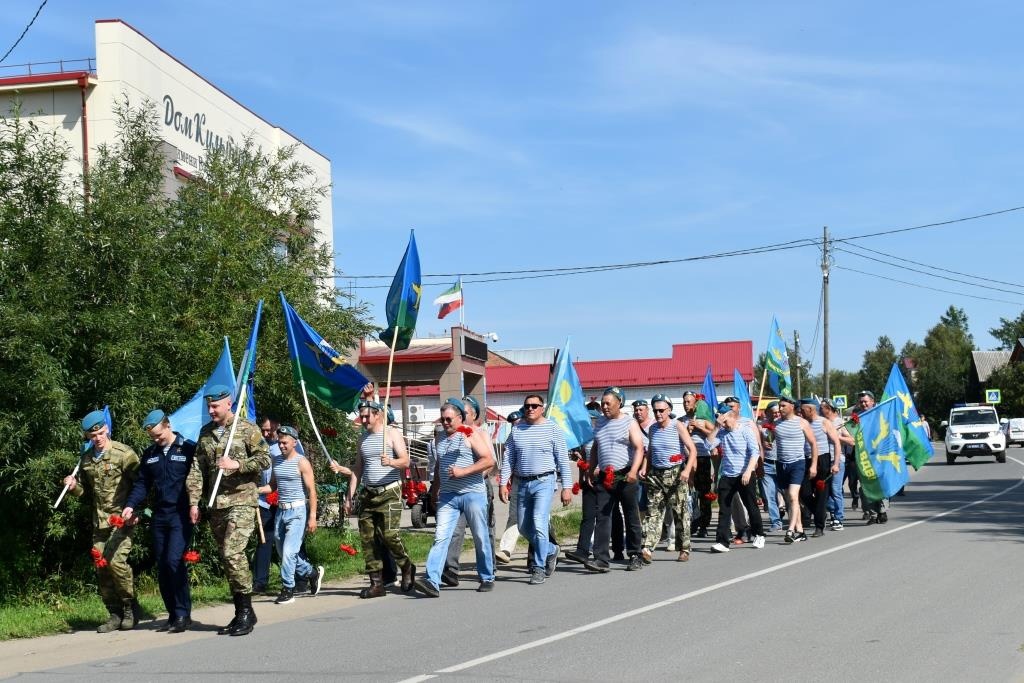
(983, 364)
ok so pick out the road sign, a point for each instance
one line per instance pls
(993, 396)
(839, 401)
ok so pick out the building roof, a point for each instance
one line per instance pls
(686, 365)
(419, 351)
(987, 362)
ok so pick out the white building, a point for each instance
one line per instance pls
(78, 98)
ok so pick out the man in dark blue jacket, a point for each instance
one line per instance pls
(163, 473)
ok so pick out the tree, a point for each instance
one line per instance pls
(1008, 332)
(944, 363)
(874, 371)
(910, 352)
(1010, 380)
(125, 302)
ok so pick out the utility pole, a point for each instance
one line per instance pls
(825, 257)
(796, 352)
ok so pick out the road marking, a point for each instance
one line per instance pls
(501, 654)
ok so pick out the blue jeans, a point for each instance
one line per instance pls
(835, 498)
(474, 505)
(770, 490)
(533, 507)
(288, 533)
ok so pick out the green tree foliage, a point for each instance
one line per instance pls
(1008, 332)
(874, 371)
(1010, 380)
(944, 364)
(125, 302)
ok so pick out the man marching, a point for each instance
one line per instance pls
(380, 501)
(671, 457)
(164, 471)
(107, 472)
(233, 512)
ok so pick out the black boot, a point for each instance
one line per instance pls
(237, 598)
(130, 614)
(113, 621)
(376, 589)
(246, 618)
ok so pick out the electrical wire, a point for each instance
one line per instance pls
(31, 21)
(929, 225)
(817, 325)
(939, 268)
(934, 289)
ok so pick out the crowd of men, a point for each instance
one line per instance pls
(647, 478)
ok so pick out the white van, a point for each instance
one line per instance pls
(1013, 430)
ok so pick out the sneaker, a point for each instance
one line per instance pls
(285, 597)
(635, 564)
(552, 561)
(802, 536)
(576, 556)
(537, 578)
(837, 525)
(758, 542)
(789, 536)
(315, 579)
(719, 548)
(502, 557)
(872, 519)
(427, 587)
(485, 587)
(596, 565)
(450, 578)
(645, 555)
(883, 517)
(818, 533)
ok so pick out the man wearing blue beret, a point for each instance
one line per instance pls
(107, 472)
(163, 475)
(233, 513)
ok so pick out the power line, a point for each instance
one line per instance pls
(930, 225)
(939, 268)
(934, 289)
(817, 325)
(32, 21)
(924, 272)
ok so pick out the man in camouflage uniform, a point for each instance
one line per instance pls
(670, 460)
(107, 471)
(380, 504)
(233, 513)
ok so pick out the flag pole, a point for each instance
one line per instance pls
(760, 393)
(244, 379)
(462, 308)
(66, 487)
(309, 414)
(387, 397)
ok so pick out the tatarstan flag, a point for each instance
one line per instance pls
(450, 300)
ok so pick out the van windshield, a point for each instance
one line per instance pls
(974, 417)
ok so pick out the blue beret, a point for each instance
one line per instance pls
(216, 392)
(787, 399)
(93, 420)
(457, 404)
(724, 408)
(514, 415)
(372, 405)
(639, 402)
(285, 430)
(391, 416)
(809, 402)
(154, 418)
(616, 392)
(660, 398)
(772, 404)
(473, 402)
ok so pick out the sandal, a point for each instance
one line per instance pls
(684, 556)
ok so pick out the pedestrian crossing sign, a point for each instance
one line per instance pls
(993, 396)
(839, 401)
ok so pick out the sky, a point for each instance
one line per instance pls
(545, 135)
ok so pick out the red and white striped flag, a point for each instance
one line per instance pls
(449, 300)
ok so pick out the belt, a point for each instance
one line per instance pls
(292, 505)
(534, 477)
(377, 490)
(666, 469)
(770, 460)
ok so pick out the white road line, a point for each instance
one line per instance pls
(501, 654)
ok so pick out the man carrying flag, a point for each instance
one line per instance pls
(917, 442)
(880, 454)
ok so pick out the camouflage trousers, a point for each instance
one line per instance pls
(115, 580)
(380, 516)
(232, 528)
(667, 495)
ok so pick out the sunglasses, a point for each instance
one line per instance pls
(660, 410)
(532, 406)
(447, 419)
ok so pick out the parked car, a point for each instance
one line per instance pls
(974, 429)
(1013, 430)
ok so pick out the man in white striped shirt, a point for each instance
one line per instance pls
(536, 451)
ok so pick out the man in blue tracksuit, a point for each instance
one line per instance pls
(163, 471)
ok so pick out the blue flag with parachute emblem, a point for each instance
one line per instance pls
(776, 361)
(916, 443)
(879, 450)
(566, 406)
(403, 302)
(739, 390)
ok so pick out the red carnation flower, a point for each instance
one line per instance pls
(819, 485)
(101, 563)
(699, 397)
(575, 488)
(583, 465)
(768, 426)
(191, 556)
(329, 431)
(463, 429)
(855, 418)
(678, 457)
(712, 496)
(609, 477)
(116, 521)
(348, 549)
(96, 554)
(273, 498)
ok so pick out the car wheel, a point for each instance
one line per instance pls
(1001, 457)
(950, 458)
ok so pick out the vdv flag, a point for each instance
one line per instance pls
(879, 450)
(916, 443)
(317, 365)
(566, 405)
(403, 302)
(776, 360)
(190, 418)
(739, 390)
(250, 350)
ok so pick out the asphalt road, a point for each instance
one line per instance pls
(932, 595)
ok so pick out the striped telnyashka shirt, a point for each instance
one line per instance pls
(455, 450)
(375, 474)
(613, 447)
(289, 480)
(738, 447)
(820, 437)
(789, 439)
(533, 449)
(665, 443)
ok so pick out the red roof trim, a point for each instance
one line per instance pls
(186, 66)
(72, 77)
(182, 173)
(405, 358)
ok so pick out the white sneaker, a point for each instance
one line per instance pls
(758, 542)
(719, 548)
(502, 556)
